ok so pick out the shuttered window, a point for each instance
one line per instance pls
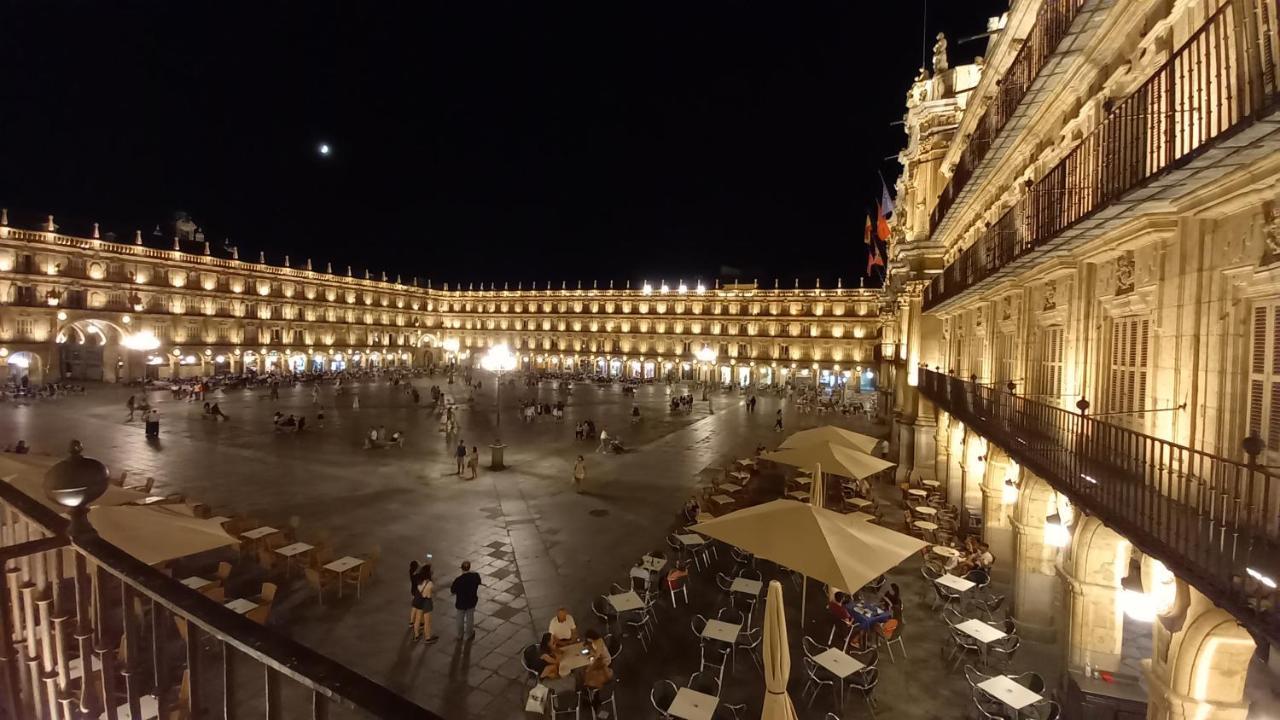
(1264, 376)
(1004, 359)
(1049, 363)
(1127, 375)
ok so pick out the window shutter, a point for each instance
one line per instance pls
(1264, 375)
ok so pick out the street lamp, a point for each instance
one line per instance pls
(497, 360)
(707, 356)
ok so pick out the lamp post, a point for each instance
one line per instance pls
(706, 356)
(498, 360)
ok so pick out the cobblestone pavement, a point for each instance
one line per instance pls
(536, 543)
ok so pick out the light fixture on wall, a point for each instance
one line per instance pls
(1056, 533)
(1134, 601)
(1010, 493)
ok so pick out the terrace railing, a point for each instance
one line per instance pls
(87, 630)
(1053, 21)
(1212, 520)
(1218, 82)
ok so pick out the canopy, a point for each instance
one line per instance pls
(777, 658)
(26, 472)
(841, 551)
(835, 459)
(154, 534)
(834, 435)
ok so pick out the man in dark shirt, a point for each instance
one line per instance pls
(464, 590)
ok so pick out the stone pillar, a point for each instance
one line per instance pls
(972, 472)
(941, 441)
(1095, 564)
(1035, 584)
(955, 455)
(926, 431)
(997, 528)
(1199, 668)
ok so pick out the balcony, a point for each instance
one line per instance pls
(1209, 90)
(1213, 521)
(124, 621)
(1053, 23)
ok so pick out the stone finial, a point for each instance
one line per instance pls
(262, 257)
(839, 283)
(349, 271)
(610, 284)
(579, 284)
(797, 283)
(562, 285)
(817, 283)
(428, 283)
(328, 267)
(520, 285)
(4, 216)
(398, 279)
(286, 261)
(137, 237)
(471, 286)
(96, 234)
(446, 287)
(368, 275)
(505, 285)
(308, 266)
(176, 245)
(49, 225)
(206, 247)
(628, 285)
(415, 281)
(235, 252)
(775, 283)
(384, 276)
(717, 283)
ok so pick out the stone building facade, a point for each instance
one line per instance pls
(1085, 257)
(85, 308)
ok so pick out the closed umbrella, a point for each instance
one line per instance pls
(777, 658)
(834, 435)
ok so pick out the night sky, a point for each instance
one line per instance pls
(473, 141)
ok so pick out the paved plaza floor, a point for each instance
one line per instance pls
(536, 543)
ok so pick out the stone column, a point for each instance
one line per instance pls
(941, 441)
(955, 456)
(1095, 564)
(926, 431)
(1199, 668)
(1035, 584)
(997, 528)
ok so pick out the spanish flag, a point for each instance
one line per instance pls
(882, 225)
(874, 258)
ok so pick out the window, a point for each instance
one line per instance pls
(1048, 381)
(1264, 377)
(25, 327)
(1127, 374)
(1004, 359)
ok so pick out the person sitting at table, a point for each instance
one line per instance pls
(547, 664)
(598, 673)
(277, 417)
(562, 628)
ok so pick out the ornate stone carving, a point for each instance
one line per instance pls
(1006, 307)
(1270, 233)
(940, 63)
(1050, 295)
(1124, 273)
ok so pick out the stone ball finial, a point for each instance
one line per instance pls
(4, 216)
(96, 235)
(76, 481)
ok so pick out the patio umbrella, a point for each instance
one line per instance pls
(777, 658)
(155, 534)
(831, 434)
(841, 551)
(836, 459)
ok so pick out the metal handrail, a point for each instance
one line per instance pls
(1210, 519)
(1208, 89)
(1052, 23)
(327, 680)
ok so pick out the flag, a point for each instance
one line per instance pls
(882, 225)
(866, 232)
(873, 258)
(886, 202)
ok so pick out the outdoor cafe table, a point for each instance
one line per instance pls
(798, 495)
(944, 550)
(838, 664)
(722, 631)
(868, 615)
(955, 582)
(918, 492)
(747, 586)
(691, 539)
(802, 480)
(342, 565)
(195, 582)
(740, 475)
(626, 602)
(858, 502)
(926, 510)
(930, 483)
(693, 705)
(747, 462)
(925, 525)
(722, 499)
(291, 551)
(1009, 692)
(572, 658)
(241, 605)
(982, 632)
(258, 533)
(730, 487)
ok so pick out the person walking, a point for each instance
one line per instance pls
(465, 589)
(579, 474)
(460, 454)
(355, 402)
(777, 423)
(131, 405)
(415, 607)
(473, 462)
(604, 441)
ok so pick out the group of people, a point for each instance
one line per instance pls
(562, 638)
(585, 430)
(288, 423)
(682, 403)
(465, 589)
(377, 438)
(469, 461)
(214, 412)
(531, 410)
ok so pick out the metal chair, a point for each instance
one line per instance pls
(725, 711)
(560, 703)
(816, 681)
(866, 681)
(975, 676)
(987, 710)
(731, 615)
(724, 582)
(662, 694)
(697, 624)
(713, 655)
(869, 657)
(527, 657)
(1006, 649)
(604, 611)
(1032, 681)
(705, 683)
(961, 645)
(639, 623)
(952, 616)
(750, 640)
(894, 636)
(812, 648)
(680, 584)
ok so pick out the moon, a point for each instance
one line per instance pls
(325, 149)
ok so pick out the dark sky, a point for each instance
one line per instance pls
(473, 141)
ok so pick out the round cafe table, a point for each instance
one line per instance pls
(917, 492)
(926, 510)
(945, 551)
(925, 525)
(930, 483)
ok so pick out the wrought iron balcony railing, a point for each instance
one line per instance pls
(1218, 82)
(87, 630)
(1053, 21)
(1213, 521)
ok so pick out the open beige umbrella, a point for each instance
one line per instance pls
(835, 459)
(841, 551)
(154, 534)
(777, 658)
(28, 476)
(834, 435)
